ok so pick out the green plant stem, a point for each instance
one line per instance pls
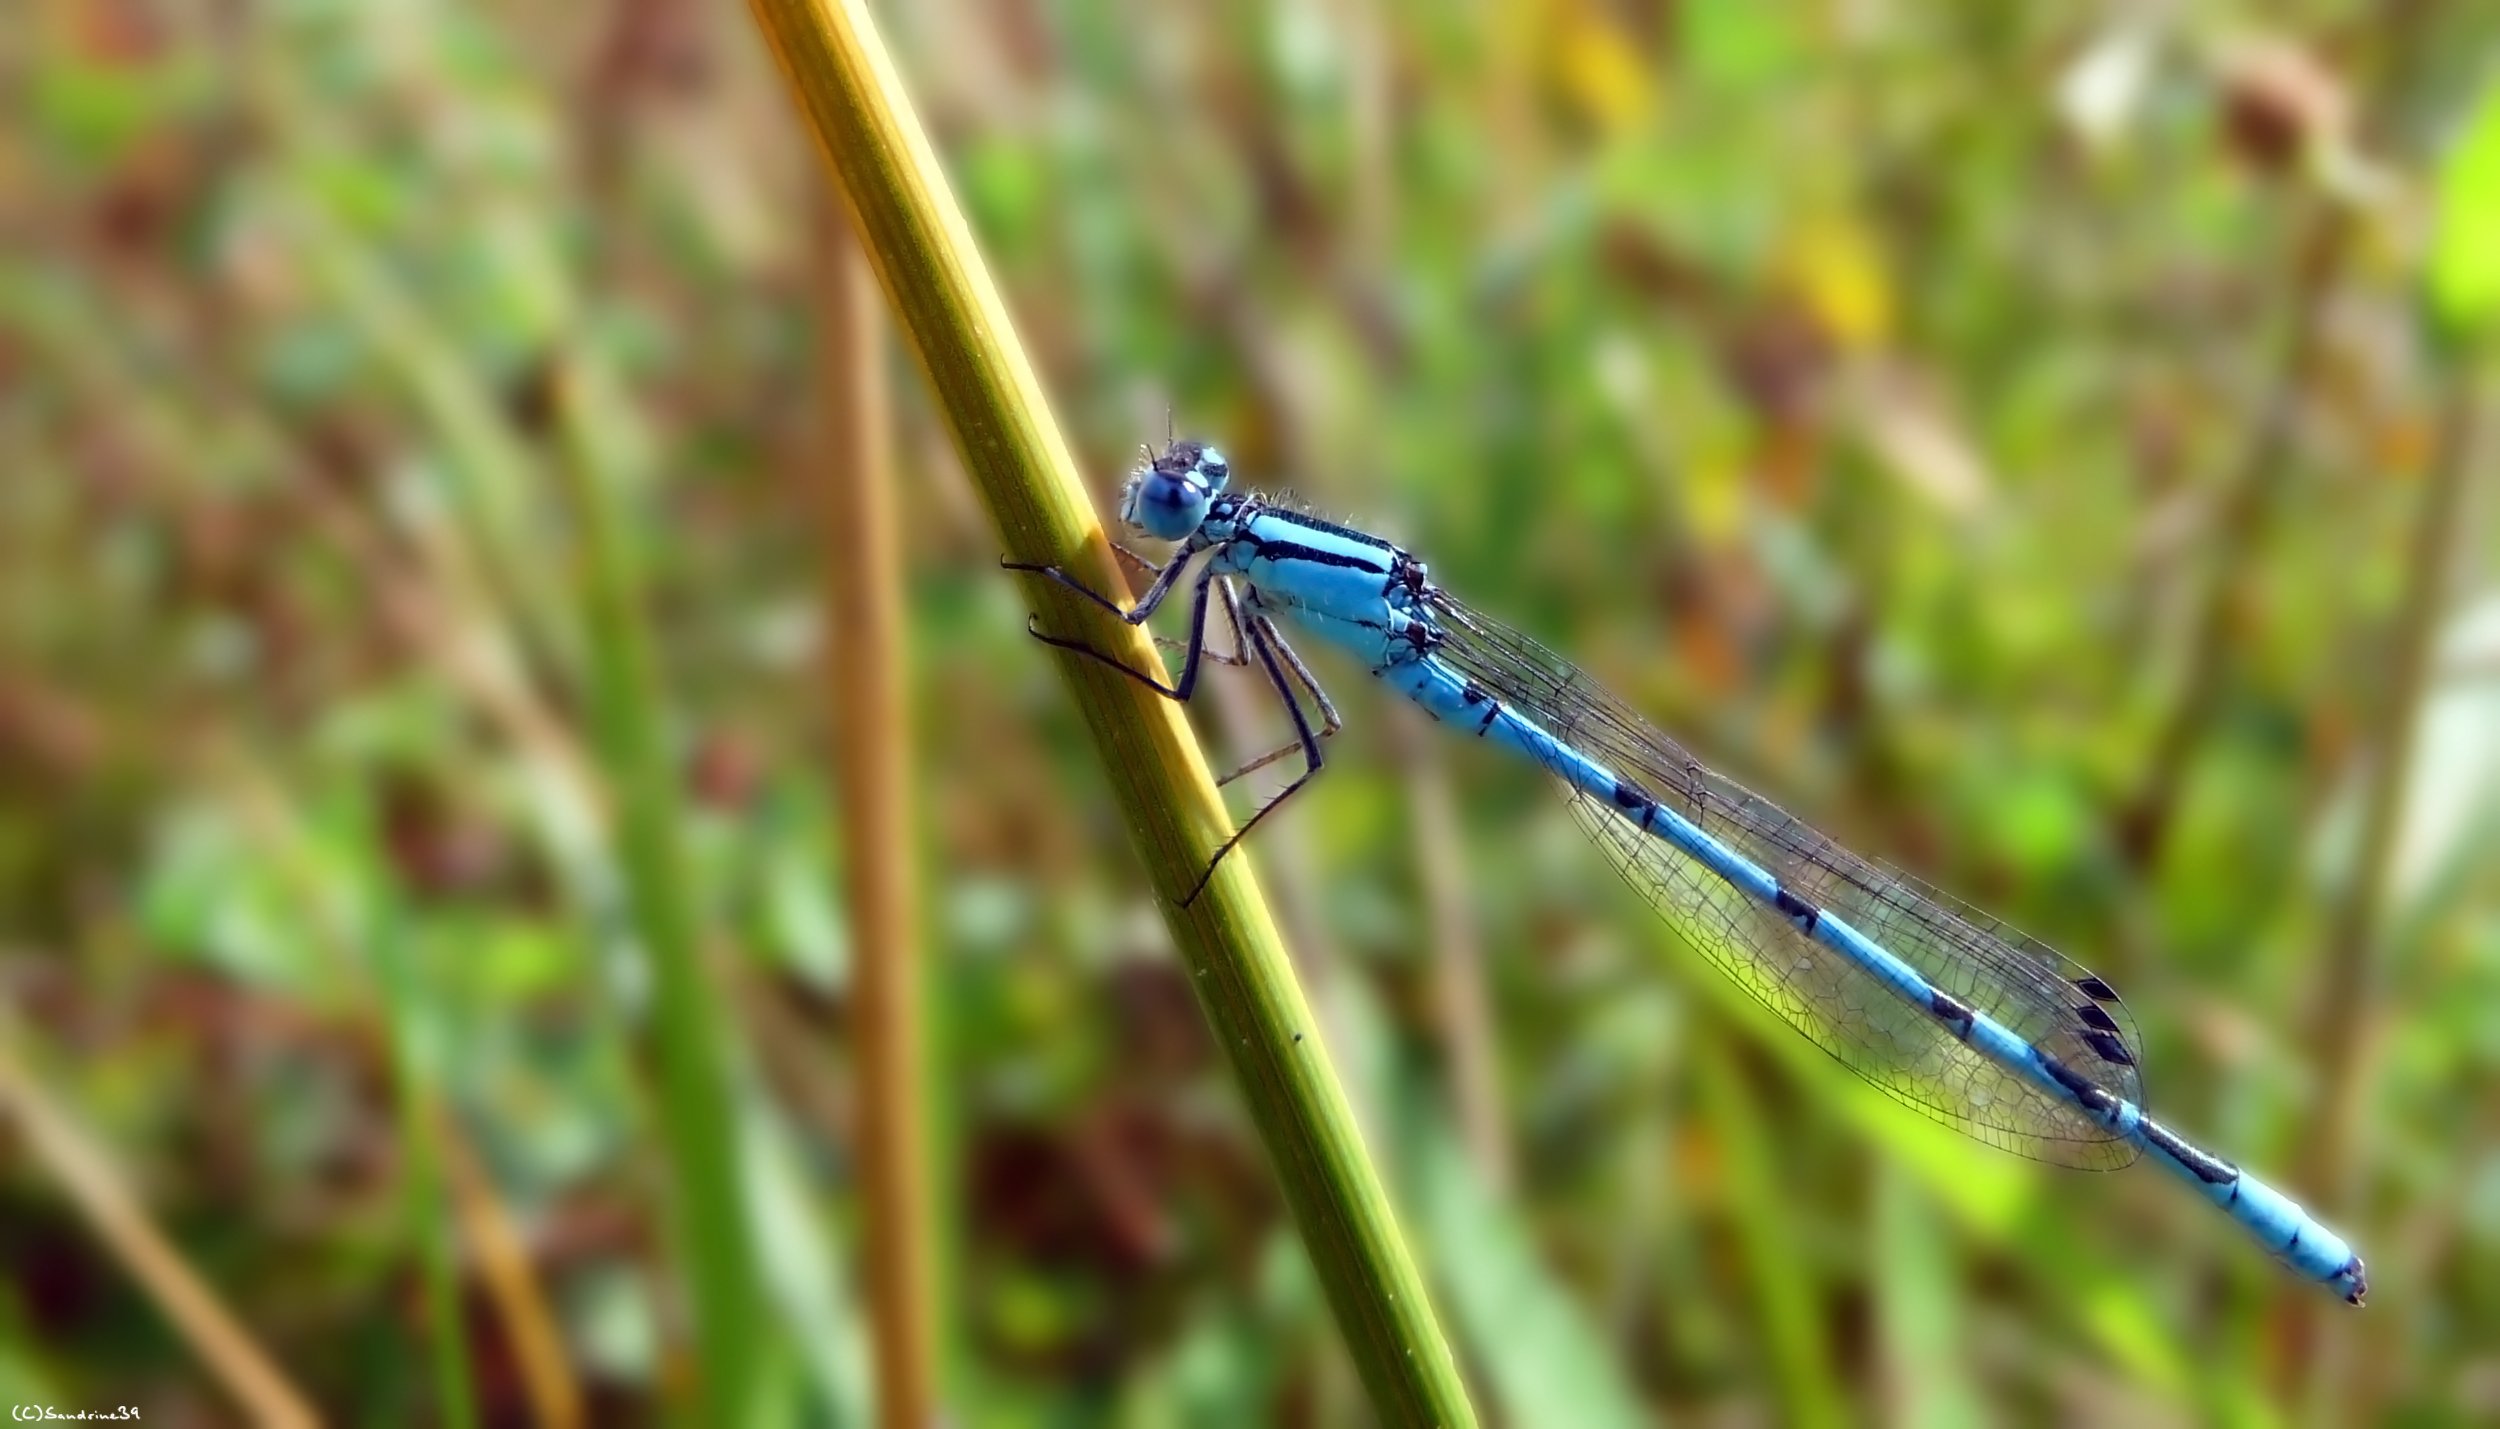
(698, 1106)
(847, 91)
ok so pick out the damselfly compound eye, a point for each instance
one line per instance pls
(1166, 505)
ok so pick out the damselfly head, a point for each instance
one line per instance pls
(1167, 498)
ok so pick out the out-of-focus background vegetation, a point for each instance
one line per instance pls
(2001, 432)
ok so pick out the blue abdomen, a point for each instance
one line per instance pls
(1471, 710)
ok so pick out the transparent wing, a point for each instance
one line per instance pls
(1848, 1012)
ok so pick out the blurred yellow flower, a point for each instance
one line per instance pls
(1836, 269)
(1599, 68)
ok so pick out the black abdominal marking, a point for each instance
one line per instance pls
(1951, 1011)
(1805, 915)
(2210, 1169)
(1634, 800)
(1282, 551)
(1309, 522)
(2090, 1097)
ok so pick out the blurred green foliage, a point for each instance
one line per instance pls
(1991, 430)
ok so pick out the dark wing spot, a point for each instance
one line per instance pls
(2110, 1048)
(2096, 989)
(2092, 1016)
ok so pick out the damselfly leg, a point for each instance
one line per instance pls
(1135, 615)
(1232, 614)
(1268, 646)
(1255, 636)
(1329, 722)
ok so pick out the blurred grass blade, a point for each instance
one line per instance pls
(1461, 998)
(846, 89)
(2453, 809)
(1776, 1258)
(1918, 1296)
(413, 1074)
(2464, 270)
(2343, 1015)
(865, 666)
(489, 473)
(698, 1104)
(102, 1195)
(803, 1275)
(503, 1263)
(1545, 1361)
(446, 1186)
